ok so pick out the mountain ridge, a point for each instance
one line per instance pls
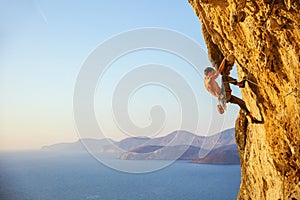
(177, 145)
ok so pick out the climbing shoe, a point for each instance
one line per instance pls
(254, 120)
(241, 84)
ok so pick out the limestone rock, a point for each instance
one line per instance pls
(264, 37)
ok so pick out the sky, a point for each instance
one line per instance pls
(44, 45)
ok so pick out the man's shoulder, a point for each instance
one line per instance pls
(208, 78)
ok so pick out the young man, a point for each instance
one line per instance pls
(224, 94)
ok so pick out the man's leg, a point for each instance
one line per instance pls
(235, 100)
(243, 106)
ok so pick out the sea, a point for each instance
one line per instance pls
(40, 175)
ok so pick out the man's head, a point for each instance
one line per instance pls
(207, 70)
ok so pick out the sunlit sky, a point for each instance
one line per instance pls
(43, 46)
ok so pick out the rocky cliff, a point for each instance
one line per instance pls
(264, 37)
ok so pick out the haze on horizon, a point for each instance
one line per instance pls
(44, 44)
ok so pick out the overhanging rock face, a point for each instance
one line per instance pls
(264, 37)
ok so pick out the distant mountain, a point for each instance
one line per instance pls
(223, 155)
(97, 145)
(181, 145)
(227, 154)
(180, 152)
(175, 138)
(180, 137)
(226, 137)
(132, 142)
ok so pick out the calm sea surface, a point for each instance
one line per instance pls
(38, 175)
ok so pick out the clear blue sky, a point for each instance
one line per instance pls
(43, 46)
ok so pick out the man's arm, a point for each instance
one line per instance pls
(222, 65)
(228, 79)
(217, 73)
(231, 80)
(214, 76)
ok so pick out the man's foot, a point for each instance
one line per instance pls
(254, 120)
(241, 84)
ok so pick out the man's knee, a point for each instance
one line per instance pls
(239, 102)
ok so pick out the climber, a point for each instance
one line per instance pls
(224, 94)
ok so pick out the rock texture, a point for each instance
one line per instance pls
(264, 37)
